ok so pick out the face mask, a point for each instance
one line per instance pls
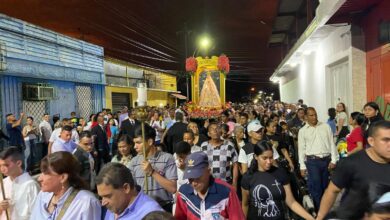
(288, 110)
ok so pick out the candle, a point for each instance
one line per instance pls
(142, 94)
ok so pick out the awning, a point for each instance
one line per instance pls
(178, 96)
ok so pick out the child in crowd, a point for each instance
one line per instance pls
(114, 134)
(189, 137)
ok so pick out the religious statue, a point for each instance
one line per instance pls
(209, 95)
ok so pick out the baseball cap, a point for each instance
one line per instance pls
(254, 126)
(195, 165)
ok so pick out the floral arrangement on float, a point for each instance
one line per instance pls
(196, 112)
(223, 64)
(205, 105)
(191, 65)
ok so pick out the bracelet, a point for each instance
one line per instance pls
(151, 173)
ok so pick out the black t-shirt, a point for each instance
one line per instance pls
(266, 193)
(359, 169)
(281, 143)
(248, 148)
(15, 135)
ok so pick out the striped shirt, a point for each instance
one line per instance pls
(165, 165)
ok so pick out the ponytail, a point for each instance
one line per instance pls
(254, 167)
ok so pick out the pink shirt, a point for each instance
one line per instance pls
(355, 136)
(231, 126)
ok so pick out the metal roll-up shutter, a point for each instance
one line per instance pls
(119, 100)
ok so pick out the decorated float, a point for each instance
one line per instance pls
(208, 77)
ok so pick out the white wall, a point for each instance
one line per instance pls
(289, 93)
(309, 76)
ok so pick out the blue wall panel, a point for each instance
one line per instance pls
(11, 93)
(65, 102)
(10, 89)
(34, 54)
(99, 97)
(27, 44)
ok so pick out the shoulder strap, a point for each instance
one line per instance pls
(67, 203)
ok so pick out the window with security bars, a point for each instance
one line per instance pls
(35, 109)
(85, 103)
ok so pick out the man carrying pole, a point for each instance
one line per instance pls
(158, 167)
(20, 189)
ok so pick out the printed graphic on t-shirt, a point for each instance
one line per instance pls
(265, 204)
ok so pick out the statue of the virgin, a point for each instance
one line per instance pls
(209, 95)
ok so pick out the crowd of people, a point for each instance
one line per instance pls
(269, 160)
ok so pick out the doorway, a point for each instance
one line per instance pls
(339, 83)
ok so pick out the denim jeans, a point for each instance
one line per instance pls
(318, 178)
(29, 154)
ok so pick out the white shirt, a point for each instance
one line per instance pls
(317, 141)
(241, 144)
(247, 158)
(56, 135)
(342, 115)
(8, 192)
(158, 125)
(24, 191)
(180, 173)
(45, 131)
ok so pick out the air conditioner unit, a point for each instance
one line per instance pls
(37, 92)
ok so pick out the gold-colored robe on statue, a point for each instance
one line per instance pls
(209, 96)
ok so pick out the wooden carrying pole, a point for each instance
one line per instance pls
(146, 185)
(3, 193)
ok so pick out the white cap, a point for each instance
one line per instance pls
(254, 126)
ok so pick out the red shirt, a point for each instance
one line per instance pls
(355, 136)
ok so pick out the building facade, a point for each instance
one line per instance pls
(43, 71)
(341, 57)
(122, 79)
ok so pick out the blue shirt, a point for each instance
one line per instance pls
(61, 145)
(15, 135)
(85, 206)
(114, 132)
(332, 124)
(141, 206)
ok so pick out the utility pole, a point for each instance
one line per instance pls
(186, 34)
